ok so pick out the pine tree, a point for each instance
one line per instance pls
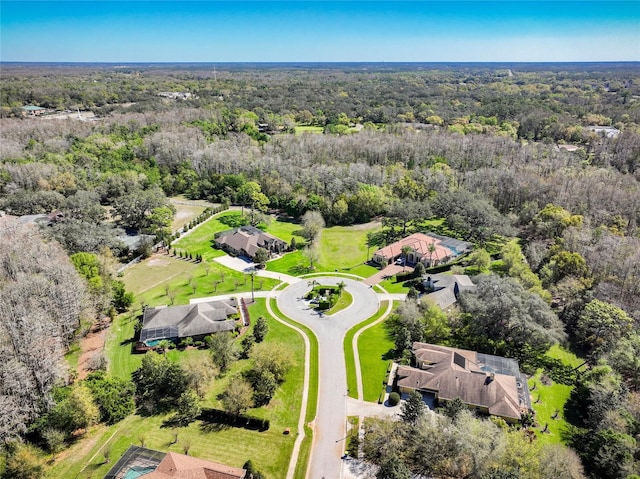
(413, 408)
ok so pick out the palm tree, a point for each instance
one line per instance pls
(163, 346)
(432, 249)
(406, 249)
(341, 285)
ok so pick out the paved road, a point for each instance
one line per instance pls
(330, 423)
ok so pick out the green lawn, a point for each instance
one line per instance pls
(150, 279)
(221, 444)
(392, 287)
(558, 352)
(343, 303)
(318, 130)
(200, 240)
(285, 230)
(363, 270)
(352, 385)
(293, 263)
(373, 346)
(546, 400)
(342, 248)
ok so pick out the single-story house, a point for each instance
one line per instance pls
(246, 240)
(33, 110)
(485, 383)
(444, 289)
(192, 320)
(146, 463)
(429, 249)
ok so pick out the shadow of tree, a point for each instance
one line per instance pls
(213, 427)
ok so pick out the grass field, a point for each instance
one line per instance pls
(373, 346)
(342, 248)
(150, 279)
(317, 130)
(546, 400)
(219, 444)
(352, 385)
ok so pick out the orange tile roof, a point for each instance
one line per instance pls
(420, 242)
(186, 467)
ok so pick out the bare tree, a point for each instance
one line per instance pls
(42, 299)
(312, 224)
(172, 296)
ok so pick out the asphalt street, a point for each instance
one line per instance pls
(329, 427)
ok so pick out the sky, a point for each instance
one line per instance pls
(320, 31)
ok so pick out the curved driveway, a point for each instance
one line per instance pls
(329, 428)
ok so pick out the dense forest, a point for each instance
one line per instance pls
(498, 151)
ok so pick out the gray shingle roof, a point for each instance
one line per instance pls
(247, 240)
(188, 320)
(446, 287)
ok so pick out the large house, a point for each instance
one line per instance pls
(246, 240)
(192, 320)
(429, 249)
(140, 462)
(485, 383)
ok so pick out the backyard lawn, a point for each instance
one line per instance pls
(551, 398)
(546, 400)
(215, 443)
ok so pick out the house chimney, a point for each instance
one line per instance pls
(489, 379)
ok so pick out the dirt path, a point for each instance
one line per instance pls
(91, 345)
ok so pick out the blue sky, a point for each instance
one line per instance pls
(297, 31)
